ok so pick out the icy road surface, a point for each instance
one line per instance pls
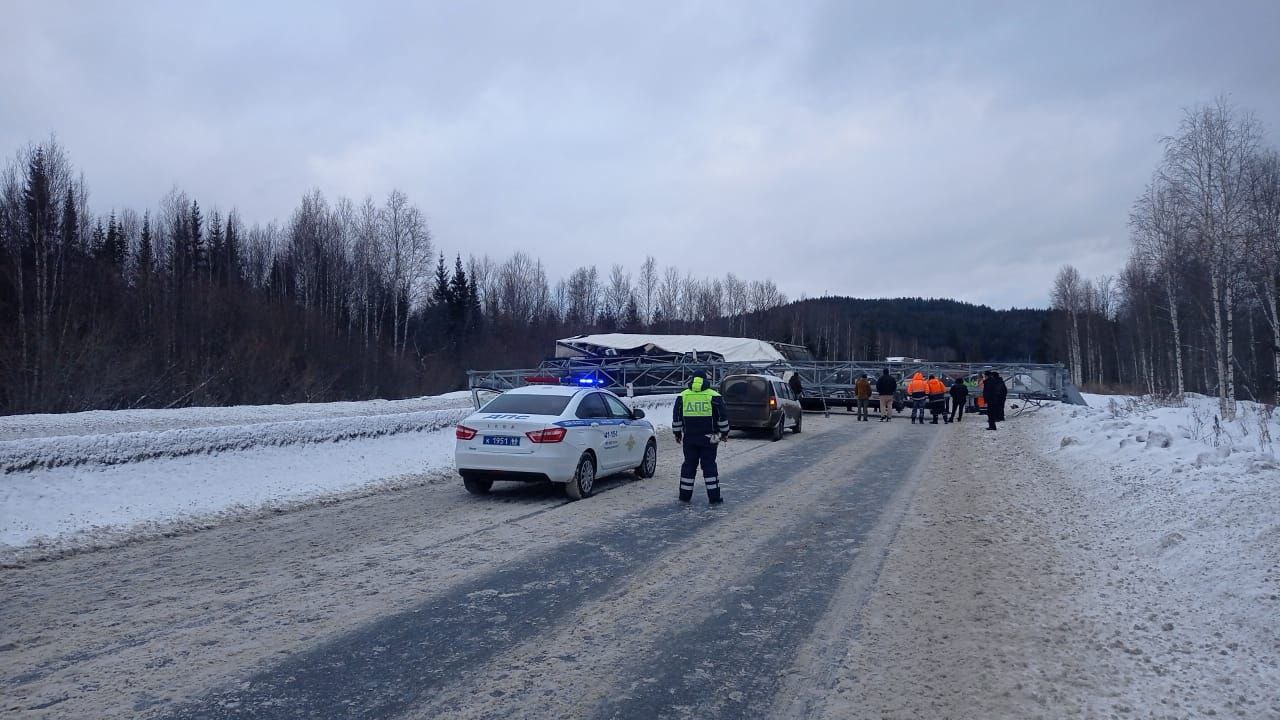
(859, 570)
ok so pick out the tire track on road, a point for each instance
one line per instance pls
(735, 661)
(557, 672)
(395, 663)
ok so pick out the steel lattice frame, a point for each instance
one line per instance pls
(828, 380)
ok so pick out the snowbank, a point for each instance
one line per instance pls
(1184, 511)
(1186, 439)
(102, 422)
(80, 485)
(130, 447)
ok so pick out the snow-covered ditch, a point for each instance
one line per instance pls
(96, 479)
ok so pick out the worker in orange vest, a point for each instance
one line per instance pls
(937, 399)
(918, 392)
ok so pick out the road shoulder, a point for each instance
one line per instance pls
(1023, 584)
(970, 616)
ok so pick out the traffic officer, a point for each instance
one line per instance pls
(700, 422)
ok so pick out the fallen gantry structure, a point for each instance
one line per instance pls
(821, 382)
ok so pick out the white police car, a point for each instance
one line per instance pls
(565, 435)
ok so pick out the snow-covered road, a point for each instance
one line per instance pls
(1061, 567)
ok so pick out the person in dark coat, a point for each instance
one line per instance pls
(886, 386)
(994, 393)
(959, 396)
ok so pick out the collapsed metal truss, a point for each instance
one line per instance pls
(824, 380)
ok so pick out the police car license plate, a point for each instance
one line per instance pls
(508, 440)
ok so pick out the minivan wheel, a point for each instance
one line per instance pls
(476, 486)
(779, 427)
(584, 478)
(649, 464)
(799, 420)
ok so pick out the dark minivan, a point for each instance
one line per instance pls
(761, 402)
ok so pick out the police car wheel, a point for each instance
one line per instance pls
(799, 421)
(779, 427)
(584, 478)
(649, 465)
(476, 486)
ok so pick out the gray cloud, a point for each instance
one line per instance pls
(971, 150)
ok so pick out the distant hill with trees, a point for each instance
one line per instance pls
(842, 328)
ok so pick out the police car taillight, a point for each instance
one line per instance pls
(547, 435)
(464, 433)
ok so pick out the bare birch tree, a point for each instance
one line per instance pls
(1067, 296)
(1206, 164)
(1264, 249)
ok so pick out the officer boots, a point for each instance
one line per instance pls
(686, 489)
(713, 496)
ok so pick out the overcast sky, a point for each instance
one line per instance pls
(837, 148)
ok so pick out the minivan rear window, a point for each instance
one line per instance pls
(745, 389)
(528, 404)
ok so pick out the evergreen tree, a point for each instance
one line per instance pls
(215, 249)
(631, 321)
(458, 294)
(231, 252)
(475, 315)
(114, 250)
(440, 288)
(199, 258)
(98, 242)
(145, 258)
(70, 230)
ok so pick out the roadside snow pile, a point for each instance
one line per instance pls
(1176, 516)
(657, 409)
(102, 422)
(45, 512)
(1187, 438)
(73, 489)
(130, 447)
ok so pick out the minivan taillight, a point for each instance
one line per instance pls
(547, 435)
(773, 402)
(464, 433)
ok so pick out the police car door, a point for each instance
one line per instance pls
(631, 447)
(599, 431)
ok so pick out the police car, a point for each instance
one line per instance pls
(566, 435)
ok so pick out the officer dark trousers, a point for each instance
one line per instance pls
(957, 410)
(699, 450)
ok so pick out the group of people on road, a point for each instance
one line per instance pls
(933, 396)
(700, 420)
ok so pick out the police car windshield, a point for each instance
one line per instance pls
(528, 404)
(745, 389)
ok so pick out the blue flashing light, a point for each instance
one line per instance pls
(588, 380)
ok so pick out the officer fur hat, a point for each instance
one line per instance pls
(699, 375)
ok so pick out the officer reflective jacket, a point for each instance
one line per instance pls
(699, 410)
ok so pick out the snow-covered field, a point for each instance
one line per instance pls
(84, 480)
